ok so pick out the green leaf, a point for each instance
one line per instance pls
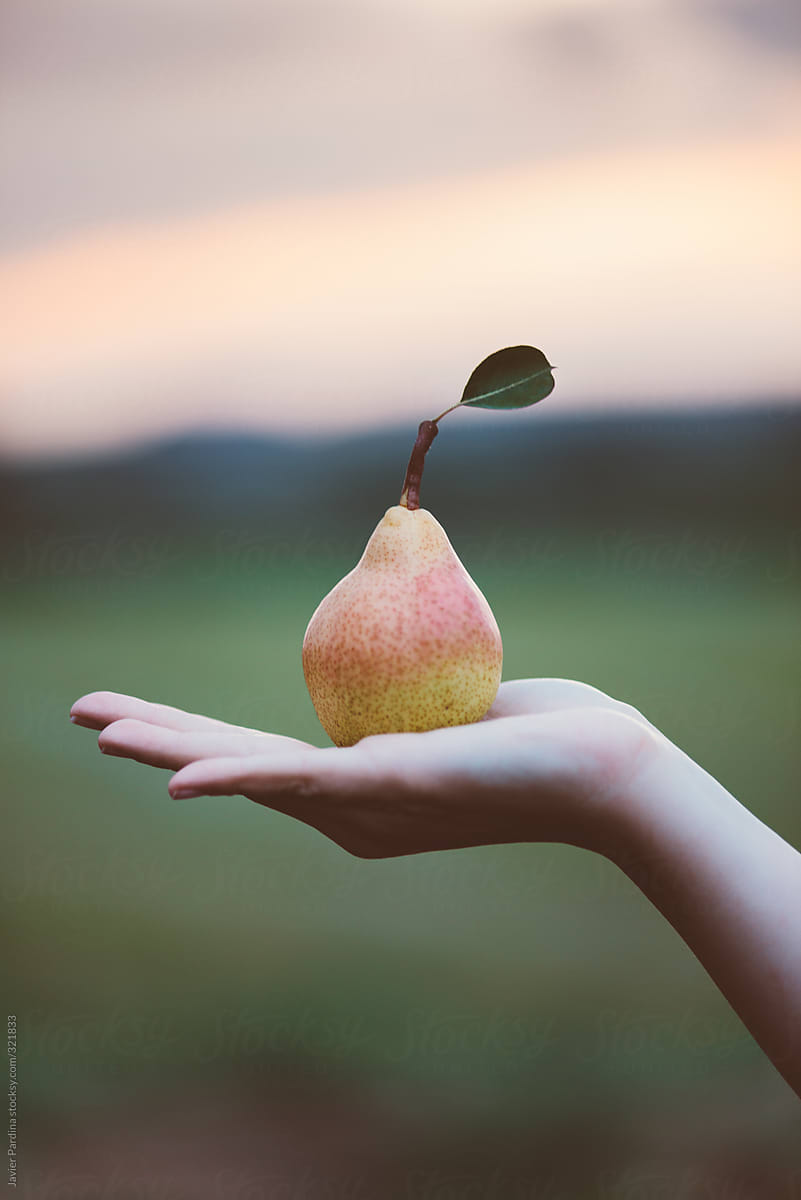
(512, 378)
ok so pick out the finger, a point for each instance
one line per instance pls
(98, 709)
(282, 780)
(520, 697)
(158, 746)
(526, 696)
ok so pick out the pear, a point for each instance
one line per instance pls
(406, 641)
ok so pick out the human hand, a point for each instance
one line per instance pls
(547, 763)
(552, 761)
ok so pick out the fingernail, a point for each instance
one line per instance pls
(184, 793)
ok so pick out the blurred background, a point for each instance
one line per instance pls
(245, 248)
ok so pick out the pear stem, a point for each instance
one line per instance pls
(410, 496)
(447, 410)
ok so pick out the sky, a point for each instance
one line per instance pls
(320, 215)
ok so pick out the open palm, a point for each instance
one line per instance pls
(539, 767)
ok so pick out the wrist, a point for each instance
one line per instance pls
(670, 810)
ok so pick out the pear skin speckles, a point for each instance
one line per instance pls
(406, 641)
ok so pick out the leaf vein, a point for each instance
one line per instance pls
(507, 386)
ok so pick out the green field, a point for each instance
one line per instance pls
(209, 987)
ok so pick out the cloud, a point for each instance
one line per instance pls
(204, 200)
(646, 277)
(158, 108)
(774, 25)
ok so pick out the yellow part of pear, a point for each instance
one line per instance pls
(406, 641)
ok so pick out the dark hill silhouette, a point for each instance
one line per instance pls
(707, 471)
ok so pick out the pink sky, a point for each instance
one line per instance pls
(655, 257)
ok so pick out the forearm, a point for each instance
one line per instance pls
(730, 887)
